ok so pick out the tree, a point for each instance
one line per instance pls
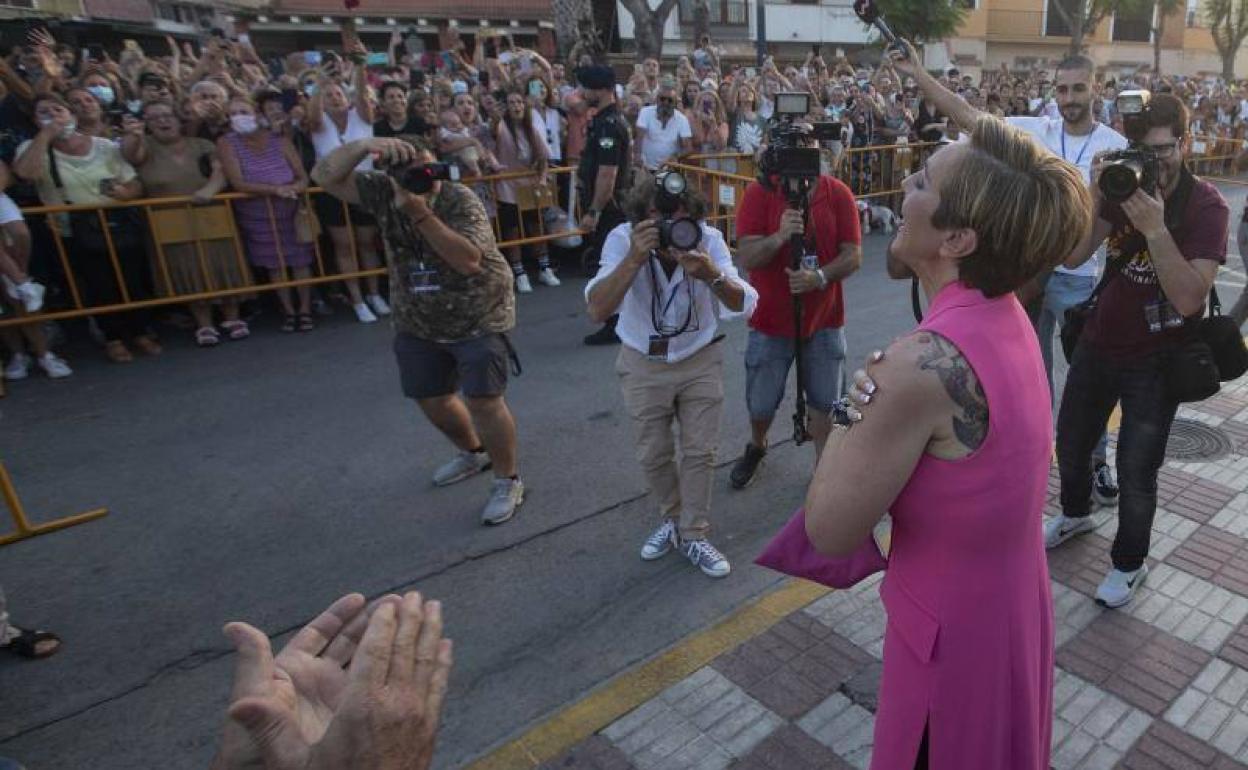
(648, 25)
(1082, 17)
(1228, 22)
(568, 13)
(923, 20)
(1162, 9)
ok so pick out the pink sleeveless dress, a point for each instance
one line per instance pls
(969, 648)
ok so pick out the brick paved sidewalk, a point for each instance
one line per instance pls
(1162, 683)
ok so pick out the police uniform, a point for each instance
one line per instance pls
(607, 143)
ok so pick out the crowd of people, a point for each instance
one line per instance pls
(99, 128)
(946, 429)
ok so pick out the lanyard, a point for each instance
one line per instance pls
(1086, 142)
(657, 316)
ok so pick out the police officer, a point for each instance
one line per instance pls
(603, 172)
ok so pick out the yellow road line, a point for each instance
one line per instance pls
(573, 724)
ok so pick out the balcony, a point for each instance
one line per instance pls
(1019, 26)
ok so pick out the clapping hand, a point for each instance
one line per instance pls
(303, 711)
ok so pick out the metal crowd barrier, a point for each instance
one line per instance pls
(178, 220)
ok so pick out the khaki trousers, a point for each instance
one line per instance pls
(658, 396)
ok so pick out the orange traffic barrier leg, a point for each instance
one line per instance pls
(24, 528)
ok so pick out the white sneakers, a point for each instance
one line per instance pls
(1118, 587)
(29, 293)
(52, 365)
(523, 285)
(363, 314)
(660, 541)
(1058, 529)
(547, 277)
(378, 305)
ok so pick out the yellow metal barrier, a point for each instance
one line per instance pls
(176, 221)
(24, 528)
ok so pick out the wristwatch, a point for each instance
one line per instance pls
(719, 281)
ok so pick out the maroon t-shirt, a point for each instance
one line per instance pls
(1118, 327)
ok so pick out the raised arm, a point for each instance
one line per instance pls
(947, 102)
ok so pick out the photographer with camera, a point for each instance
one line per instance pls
(667, 274)
(453, 303)
(1075, 137)
(1167, 234)
(788, 202)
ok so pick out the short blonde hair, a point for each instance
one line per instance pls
(1028, 207)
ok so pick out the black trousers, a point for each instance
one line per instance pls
(610, 218)
(97, 280)
(1093, 386)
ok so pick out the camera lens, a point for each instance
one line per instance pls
(417, 180)
(685, 234)
(1120, 180)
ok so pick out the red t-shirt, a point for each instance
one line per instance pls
(1118, 327)
(835, 216)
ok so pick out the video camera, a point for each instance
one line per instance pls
(680, 233)
(785, 155)
(1137, 167)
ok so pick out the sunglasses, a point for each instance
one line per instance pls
(666, 100)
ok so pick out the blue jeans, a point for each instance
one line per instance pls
(1094, 385)
(1063, 292)
(767, 362)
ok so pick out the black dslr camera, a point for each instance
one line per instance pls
(419, 180)
(1137, 167)
(681, 233)
(785, 155)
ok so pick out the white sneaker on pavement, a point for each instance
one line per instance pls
(54, 366)
(1060, 528)
(547, 277)
(505, 497)
(1118, 587)
(522, 284)
(377, 304)
(464, 465)
(706, 557)
(660, 541)
(18, 367)
(363, 314)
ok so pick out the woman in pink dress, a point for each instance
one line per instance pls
(954, 438)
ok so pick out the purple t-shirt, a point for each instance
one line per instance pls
(1118, 327)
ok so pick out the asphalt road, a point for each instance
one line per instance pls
(261, 480)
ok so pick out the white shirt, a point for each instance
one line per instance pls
(1079, 150)
(662, 142)
(328, 138)
(672, 306)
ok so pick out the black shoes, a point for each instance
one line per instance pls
(606, 335)
(747, 467)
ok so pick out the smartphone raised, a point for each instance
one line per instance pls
(312, 58)
(377, 59)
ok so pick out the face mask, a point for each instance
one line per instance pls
(244, 124)
(103, 93)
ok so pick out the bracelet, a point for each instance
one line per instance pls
(823, 279)
(422, 220)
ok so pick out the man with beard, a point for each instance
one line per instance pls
(603, 172)
(1077, 138)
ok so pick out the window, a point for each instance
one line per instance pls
(1133, 26)
(18, 3)
(722, 12)
(969, 5)
(1054, 24)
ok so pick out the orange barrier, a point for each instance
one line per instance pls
(23, 526)
(174, 222)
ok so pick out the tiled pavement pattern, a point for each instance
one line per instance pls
(1159, 685)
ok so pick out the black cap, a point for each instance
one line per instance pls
(596, 77)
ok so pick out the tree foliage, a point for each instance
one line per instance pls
(923, 20)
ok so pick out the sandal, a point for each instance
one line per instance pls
(237, 330)
(306, 324)
(207, 337)
(288, 323)
(26, 644)
(118, 353)
(148, 345)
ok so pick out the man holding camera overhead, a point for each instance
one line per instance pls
(453, 303)
(668, 274)
(767, 222)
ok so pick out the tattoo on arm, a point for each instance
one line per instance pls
(955, 373)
